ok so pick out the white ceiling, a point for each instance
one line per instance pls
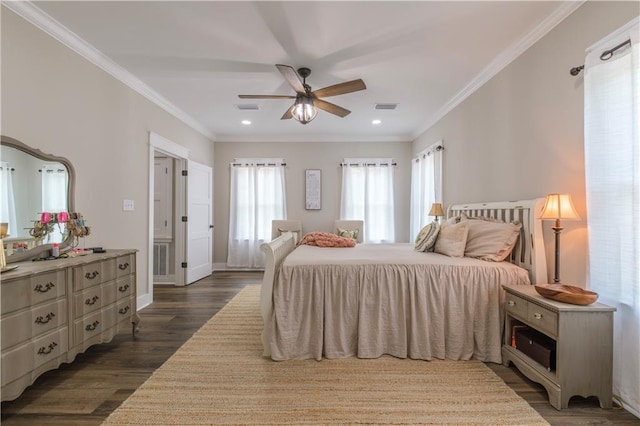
(423, 55)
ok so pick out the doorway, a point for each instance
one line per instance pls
(190, 248)
(167, 243)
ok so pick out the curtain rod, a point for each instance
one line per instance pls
(367, 164)
(258, 164)
(606, 55)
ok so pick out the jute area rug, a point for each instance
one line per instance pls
(220, 377)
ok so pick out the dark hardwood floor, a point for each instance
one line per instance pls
(86, 391)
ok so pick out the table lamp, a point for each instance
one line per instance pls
(556, 207)
(436, 210)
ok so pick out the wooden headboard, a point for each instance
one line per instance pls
(529, 252)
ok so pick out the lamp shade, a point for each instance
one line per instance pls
(436, 210)
(303, 109)
(559, 206)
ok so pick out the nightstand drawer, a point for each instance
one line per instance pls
(516, 305)
(543, 319)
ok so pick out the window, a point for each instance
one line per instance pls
(257, 196)
(367, 194)
(612, 166)
(426, 186)
(7, 200)
(55, 181)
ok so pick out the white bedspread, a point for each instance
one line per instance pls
(377, 299)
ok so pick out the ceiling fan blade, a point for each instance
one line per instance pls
(292, 78)
(340, 89)
(287, 115)
(266, 97)
(332, 108)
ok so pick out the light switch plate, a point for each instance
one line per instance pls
(127, 205)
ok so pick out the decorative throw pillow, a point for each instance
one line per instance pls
(452, 239)
(426, 239)
(296, 234)
(348, 233)
(491, 240)
(326, 239)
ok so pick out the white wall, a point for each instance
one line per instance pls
(520, 136)
(58, 102)
(306, 155)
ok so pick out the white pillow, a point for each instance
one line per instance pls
(348, 233)
(452, 239)
(296, 234)
(426, 239)
(491, 240)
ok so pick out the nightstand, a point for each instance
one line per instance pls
(583, 337)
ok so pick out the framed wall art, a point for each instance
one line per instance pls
(313, 189)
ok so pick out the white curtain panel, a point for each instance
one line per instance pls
(257, 196)
(612, 155)
(426, 186)
(55, 181)
(367, 194)
(7, 200)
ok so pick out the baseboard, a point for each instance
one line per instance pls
(144, 301)
(224, 267)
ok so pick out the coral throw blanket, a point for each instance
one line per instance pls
(327, 239)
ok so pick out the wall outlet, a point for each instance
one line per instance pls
(127, 205)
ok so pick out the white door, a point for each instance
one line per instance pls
(162, 198)
(199, 221)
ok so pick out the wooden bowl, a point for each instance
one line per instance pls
(566, 293)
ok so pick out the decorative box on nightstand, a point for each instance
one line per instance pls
(583, 337)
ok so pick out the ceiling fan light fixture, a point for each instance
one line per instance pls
(303, 109)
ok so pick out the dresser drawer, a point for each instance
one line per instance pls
(21, 327)
(543, 319)
(24, 292)
(125, 287)
(26, 358)
(93, 298)
(95, 273)
(126, 265)
(88, 327)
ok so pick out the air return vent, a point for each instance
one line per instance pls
(385, 106)
(248, 107)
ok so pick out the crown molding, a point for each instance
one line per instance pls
(502, 60)
(55, 29)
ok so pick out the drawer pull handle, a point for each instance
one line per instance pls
(123, 266)
(91, 275)
(511, 303)
(124, 310)
(44, 288)
(537, 315)
(46, 350)
(45, 319)
(123, 288)
(92, 301)
(93, 326)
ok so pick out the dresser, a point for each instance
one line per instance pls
(55, 309)
(582, 337)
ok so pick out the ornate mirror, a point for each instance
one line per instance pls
(32, 182)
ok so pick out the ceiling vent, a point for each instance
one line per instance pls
(385, 106)
(248, 107)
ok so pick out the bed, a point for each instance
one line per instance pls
(388, 299)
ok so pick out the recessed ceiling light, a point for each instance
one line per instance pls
(376, 122)
(246, 122)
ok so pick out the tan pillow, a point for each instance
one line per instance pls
(426, 239)
(452, 239)
(348, 233)
(296, 234)
(491, 240)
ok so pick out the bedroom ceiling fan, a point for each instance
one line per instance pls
(307, 102)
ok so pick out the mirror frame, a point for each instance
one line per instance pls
(37, 251)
